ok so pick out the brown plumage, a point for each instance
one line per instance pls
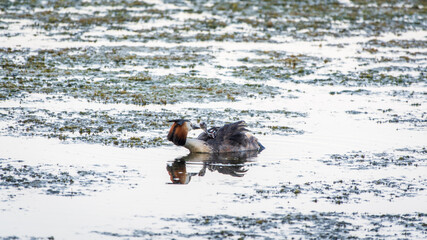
(178, 132)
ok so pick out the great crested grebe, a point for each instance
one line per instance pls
(232, 137)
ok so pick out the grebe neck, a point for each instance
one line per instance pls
(197, 146)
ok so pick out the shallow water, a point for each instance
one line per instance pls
(336, 91)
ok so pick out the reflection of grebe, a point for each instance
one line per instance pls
(233, 137)
(178, 172)
(232, 164)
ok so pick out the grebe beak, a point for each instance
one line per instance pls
(194, 126)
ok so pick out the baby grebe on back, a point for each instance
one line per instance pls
(232, 137)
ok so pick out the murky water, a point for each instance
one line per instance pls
(335, 90)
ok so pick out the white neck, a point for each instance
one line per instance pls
(197, 146)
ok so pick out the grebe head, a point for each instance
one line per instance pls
(203, 126)
(179, 130)
(178, 172)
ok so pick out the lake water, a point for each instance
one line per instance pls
(335, 91)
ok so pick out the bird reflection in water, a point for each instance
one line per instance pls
(232, 164)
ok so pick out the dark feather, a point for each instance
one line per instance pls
(234, 133)
(231, 137)
(172, 132)
(203, 136)
(179, 121)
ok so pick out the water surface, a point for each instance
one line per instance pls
(335, 90)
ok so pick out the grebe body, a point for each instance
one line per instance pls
(232, 137)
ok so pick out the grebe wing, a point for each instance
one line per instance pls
(233, 134)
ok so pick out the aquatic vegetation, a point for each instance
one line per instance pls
(314, 224)
(59, 180)
(339, 191)
(128, 128)
(363, 161)
(135, 87)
